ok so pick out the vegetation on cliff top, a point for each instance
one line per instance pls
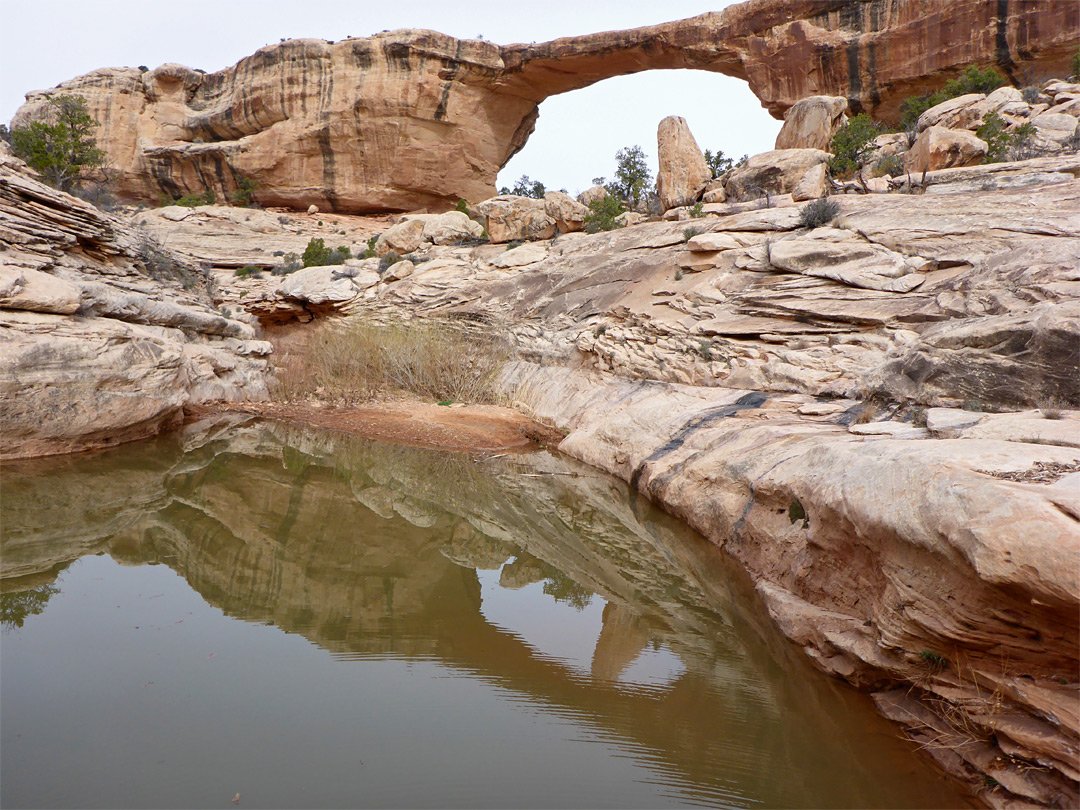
(61, 146)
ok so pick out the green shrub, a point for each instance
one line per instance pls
(524, 187)
(632, 176)
(194, 200)
(370, 252)
(290, 263)
(1076, 65)
(818, 212)
(247, 270)
(891, 166)
(971, 80)
(851, 144)
(690, 233)
(317, 254)
(603, 214)
(1002, 144)
(61, 147)
(462, 206)
(697, 211)
(387, 261)
(718, 163)
(245, 192)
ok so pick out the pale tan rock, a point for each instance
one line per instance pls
(941, 148)
(683, 172)
(405, 237)
(714, 192)
(961, 112)
(521, 256)
(312, 209)
(811, 123)
(512, 218)
(860, 265)
(593, 194)
(1056, 126)
(444, 229)
(568, 213)
(111, 343)
(811, 185)
(399, 270)
(26, 288)
(627, 218)
(318, 286)
(708, 242)
(447, 113)
(775, 172)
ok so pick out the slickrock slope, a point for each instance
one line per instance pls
(412, 119)
(104, 334)
(776, 387)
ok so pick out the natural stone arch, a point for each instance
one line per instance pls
(417, 119)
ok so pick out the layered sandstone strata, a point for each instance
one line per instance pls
(105, 334)
(411, 119)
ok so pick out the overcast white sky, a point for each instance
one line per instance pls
(48, 41)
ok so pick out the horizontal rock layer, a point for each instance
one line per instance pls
(411, 119)
(105, 334)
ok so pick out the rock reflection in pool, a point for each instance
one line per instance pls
(439, 631)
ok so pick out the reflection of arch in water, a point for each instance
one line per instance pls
(295, 538)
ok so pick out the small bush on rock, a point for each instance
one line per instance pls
(818, 212)
(194, 200)
(971, 80)
(851, 144)
(603, 214)
(1003, 145)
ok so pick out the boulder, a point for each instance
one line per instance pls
(523, 255)
(593, 194)
(445, 229)
(318, 286)
(714, 192)
(941, 148)
(811, 185)
(405, 237)
(775, 172)
(1055, 126)
(683, 171)
(961, 112)
(568, 213)
(812, 122)
(510, 218)
(628, 218)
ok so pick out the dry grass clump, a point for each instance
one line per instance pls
(358, 360)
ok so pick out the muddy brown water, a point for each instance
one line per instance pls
(311, 620)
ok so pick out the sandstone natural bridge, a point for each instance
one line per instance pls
(412, 119)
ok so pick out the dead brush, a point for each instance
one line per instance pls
(358, 360)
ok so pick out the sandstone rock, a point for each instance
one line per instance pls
(448, 113)
(627, 218)
(708, 242)
(399, 270)
(318, 286)
(683, 172)
(111, 342)
(568, 213)
(313, 209)
(714, 192)
(522, 255)
(811, 185)
(444, 229)
(405, 237)
(1055, 126)
(811, 123)
(776, 172)
(593, 194)
(26, 288)
(941, 148)
(511, 218)
(955, 113)
(860, 265)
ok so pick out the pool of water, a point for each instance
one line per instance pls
(311, 620)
